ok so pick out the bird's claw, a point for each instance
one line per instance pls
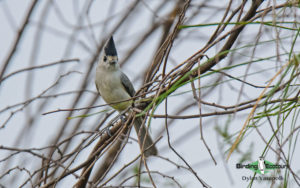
(123, 118)
(108, 132)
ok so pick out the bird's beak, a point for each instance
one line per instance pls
(113, 62)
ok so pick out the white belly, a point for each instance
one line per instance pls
(112, 90)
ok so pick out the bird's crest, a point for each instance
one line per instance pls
(110, 49)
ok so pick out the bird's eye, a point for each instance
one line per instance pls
(104, 58)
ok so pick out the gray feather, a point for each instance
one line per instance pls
(127, 84)
(144, 137)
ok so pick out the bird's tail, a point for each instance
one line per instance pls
(145, 140)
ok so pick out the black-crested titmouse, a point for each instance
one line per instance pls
(114, 86)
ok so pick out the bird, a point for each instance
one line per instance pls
(261, 165)
(114, 86)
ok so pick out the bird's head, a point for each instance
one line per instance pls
(109, 57)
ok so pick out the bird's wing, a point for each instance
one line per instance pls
(127, 84)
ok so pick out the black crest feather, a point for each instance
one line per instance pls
(110, 48)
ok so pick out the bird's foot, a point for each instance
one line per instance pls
(123, 118)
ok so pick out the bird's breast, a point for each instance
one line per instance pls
(112, 90)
